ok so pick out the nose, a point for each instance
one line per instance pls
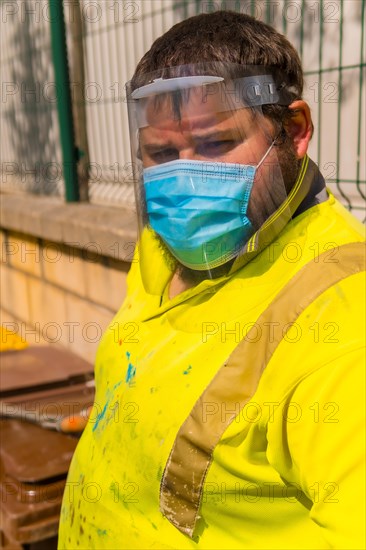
(187, 154)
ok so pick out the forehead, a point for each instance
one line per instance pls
(193, 110)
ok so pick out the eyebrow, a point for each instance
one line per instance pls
(217, 135)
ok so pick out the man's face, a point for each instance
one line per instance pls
(205, 129)
(212, 128)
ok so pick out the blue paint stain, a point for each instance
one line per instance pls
(131, 370)
(102, 531)
(188, 370)
(109, 396)
(100, 416)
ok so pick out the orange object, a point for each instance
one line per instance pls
(75, 423)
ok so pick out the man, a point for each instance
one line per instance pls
(229, 413)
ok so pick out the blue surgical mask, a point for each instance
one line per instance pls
(199, 209)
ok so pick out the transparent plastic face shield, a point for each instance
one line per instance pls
(206, 169)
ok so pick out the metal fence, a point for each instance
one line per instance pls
(30, 152)
(329, 35)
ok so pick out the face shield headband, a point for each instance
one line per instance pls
(200, 143)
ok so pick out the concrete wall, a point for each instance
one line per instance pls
(56, 292)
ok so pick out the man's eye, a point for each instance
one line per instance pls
(216, 147)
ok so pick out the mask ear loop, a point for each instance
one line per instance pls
(268, 150)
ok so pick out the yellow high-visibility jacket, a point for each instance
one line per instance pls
(231, 416)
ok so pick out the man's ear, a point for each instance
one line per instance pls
(299, 126)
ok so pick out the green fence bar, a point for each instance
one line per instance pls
(362, 66)
(340, 99)
(320, 81)
(59, 54)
